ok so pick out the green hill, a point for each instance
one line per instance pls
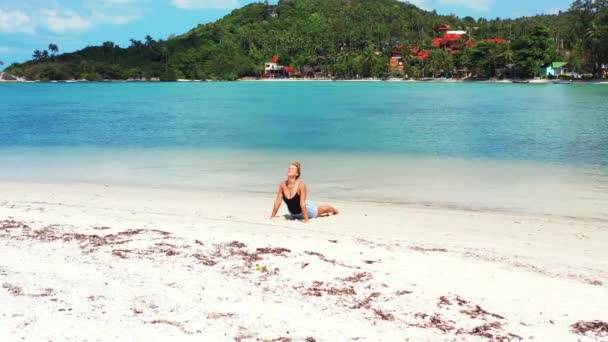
(344, 38)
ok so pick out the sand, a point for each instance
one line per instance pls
(105, 262)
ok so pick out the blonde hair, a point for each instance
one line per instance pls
(299, 167)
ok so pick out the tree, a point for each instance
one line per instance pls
(136, 44)
(53, 48)
(149, 41)
(506, 53)
(108, 50)
(533, 51)
(37, 55)
(439, 63)
(590, 18)
(485, 57)
(370, 59)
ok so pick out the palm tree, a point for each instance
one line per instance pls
(507, 54)
(135, 43)
(37, 55)
(108, 50)
(53, 48)
(370, 58)
(149, 40)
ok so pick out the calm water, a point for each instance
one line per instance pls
(557, 123)
(535, 148)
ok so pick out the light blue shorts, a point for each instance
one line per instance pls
(311, 209)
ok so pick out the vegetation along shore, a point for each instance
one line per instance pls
(339, 39)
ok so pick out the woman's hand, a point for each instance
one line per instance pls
(277, 201)
(303, 193)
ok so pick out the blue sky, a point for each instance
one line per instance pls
(26, 25)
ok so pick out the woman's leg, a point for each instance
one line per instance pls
(326, 209)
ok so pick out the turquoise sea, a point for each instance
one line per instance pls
(554, 123)
(499, 146)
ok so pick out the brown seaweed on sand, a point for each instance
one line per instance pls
(317, 290)
(236, 244)
(217, 315)
(403, 292)
(359, 277)
(272, 250)
(121, 253)
(12, 289)
(383, 315)
(365, 303)
(434, 322)
(331, 261)
(205, 260)
(443, 301)
(595, 328)
(12, 224)
(490, 331)
(370, 262)
(486, 329)
(424, 250)
(478, 311)
(178, 325)
(18, 291)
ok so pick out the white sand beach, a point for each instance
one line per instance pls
(107, 262)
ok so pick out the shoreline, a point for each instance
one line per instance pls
(527, 187)
(389, 80)
(189, 265)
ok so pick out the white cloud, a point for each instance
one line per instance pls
(115, 19)
(28, 16)
(206, 4)
(478, 5)
(10, 50)
(15, 21)
(66, 21)
(106, 11)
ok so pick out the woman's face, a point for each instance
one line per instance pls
(292, 171)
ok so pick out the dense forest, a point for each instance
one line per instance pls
(343, 39)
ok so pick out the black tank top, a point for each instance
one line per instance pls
(293, 204)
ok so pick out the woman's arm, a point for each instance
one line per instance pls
(277, 201)
(303, 192)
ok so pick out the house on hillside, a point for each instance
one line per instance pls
(605, 70)
(556, 69)
(450, 41)
(273, 70)
(454, 41)
(396, 64)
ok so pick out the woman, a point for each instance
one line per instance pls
(293, 192)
